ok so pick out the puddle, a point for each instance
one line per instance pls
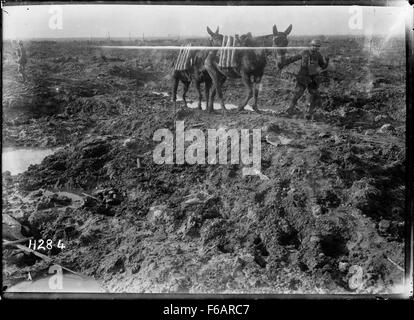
(18, 160)
(194, 104)
(216, 105)
(164, 94)
(67, 283)
(229, 106)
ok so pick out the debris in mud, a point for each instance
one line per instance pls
(343, 266)
(12, 229)
(392, 229)
(365, 196)
(50, 200)
(316, 210)
(94, 147)
(380, 117)
(109, 196)
(130, 143)
(157, 214)
(386, 128)
(197, 199)
(278, 140)
(102, 203)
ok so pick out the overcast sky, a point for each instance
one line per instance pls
(161, 20)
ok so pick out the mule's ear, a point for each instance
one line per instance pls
(288, 30)
(217, 30)
(274, 29)
(209, 31)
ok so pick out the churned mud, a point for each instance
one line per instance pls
(326, 215)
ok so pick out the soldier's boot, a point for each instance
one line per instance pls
(292, 109)
(314, 103)
(308, 114)
(20, 71)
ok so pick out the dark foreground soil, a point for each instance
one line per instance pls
(326, 216)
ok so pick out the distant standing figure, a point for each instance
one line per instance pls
(307, 78)
(21, 60)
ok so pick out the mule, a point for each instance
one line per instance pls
(196, 72)
(250, 64)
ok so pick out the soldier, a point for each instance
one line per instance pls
(307, 78)
(21, 60)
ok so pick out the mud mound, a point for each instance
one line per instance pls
(324, 216)
(316, 215)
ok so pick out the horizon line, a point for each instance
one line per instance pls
(182, 37)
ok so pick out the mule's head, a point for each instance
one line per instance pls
(246, 40)
(280, 39)
(216, 38)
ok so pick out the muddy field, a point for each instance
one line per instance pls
(326, 217)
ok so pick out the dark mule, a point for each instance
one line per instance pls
(196, 72)
(250, 64)
(280, 40)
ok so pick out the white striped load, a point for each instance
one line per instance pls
(227, 56)
(183, 60)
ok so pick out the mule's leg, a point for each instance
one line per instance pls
(217, 83)
(175, 88)
(212, 95)
(200, 96)
(217, 79)
(207, 88)
(219, 87)
(315, 99)
(211, 101)
(186, 86)
(248, 84)
(257, 81)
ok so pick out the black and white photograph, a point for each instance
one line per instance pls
(191, 148)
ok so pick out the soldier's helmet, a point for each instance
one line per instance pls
(315, 43)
